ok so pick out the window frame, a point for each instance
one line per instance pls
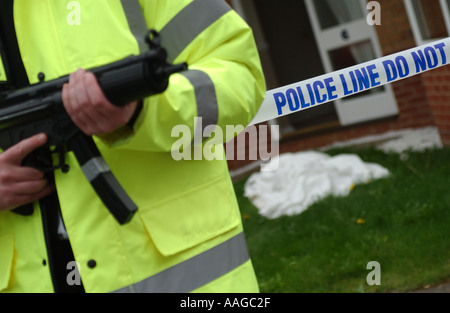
(445, 10)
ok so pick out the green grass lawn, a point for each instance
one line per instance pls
(402, 222)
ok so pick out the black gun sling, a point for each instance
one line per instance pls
(59, 250)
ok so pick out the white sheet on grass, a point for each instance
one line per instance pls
(305, 177)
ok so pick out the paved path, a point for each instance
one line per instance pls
(442, 288)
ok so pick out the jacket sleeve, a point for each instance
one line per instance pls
(223, 86)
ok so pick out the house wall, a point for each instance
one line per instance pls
(437, 85)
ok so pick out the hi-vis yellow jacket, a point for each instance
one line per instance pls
(187, 234)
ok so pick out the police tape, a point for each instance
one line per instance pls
(352, 80)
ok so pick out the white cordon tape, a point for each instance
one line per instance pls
(339, 84)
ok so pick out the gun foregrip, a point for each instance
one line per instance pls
(101, 178)
(108, 189)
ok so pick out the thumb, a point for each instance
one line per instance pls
(18, 152)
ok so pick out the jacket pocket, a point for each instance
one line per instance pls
(192, 217)
(6, 259)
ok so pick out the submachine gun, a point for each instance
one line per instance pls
(38, 108)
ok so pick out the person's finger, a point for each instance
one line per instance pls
(18, 173)
(29, 187)
(76, 104)
(69, 105)
(18, 152)
(104, 111)
(21, 199)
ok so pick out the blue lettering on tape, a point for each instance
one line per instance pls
(390, 69)
(311, 94)
(280, 101)
(321, 98)
(402, 66)
(359, 78)
(330, 88)
(303, 103)
(347, 91)
(428, 58)
(440, 47)
(419, 61)
(305, 96)
(291, 94)
(373, 75)
(363, 78)
(431, 56)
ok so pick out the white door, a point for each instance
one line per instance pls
(345, 39)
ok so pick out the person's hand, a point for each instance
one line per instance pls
(88, 107)
(18, 184)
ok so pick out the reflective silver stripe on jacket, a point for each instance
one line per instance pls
(180, 31)
(175, 37)
(197, 271)
(189, 23)
(136, 22)
(205, 95)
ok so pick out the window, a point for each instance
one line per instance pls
(430, 19)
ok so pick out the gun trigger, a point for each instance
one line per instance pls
(61, 151)
(62, 159)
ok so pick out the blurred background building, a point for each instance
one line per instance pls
(300, 39)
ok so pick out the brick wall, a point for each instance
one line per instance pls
(394, 33)
(437, 84)
(432, 96)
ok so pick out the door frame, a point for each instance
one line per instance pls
(366, 107)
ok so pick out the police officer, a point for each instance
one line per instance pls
(187, 234)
